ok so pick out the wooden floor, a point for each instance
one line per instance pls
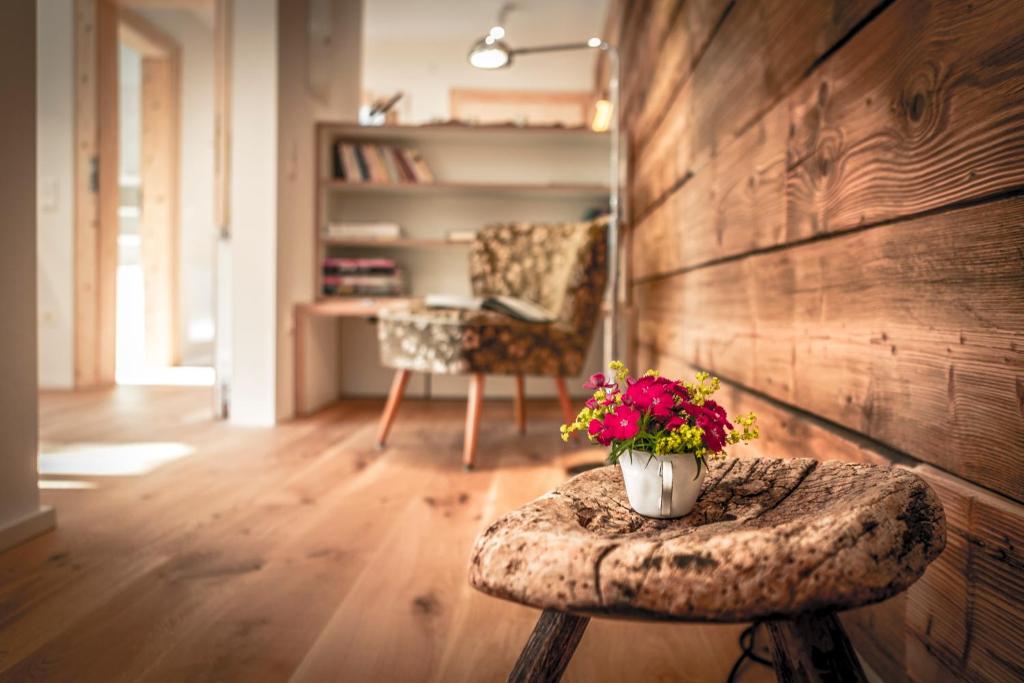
(297, 552)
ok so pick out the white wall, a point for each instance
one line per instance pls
(20, 514)
(55, 165)
(426, 71)
(196, 247)
(254, 212)
(335, 70)
(421, 49)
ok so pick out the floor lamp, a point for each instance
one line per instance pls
(491, 52)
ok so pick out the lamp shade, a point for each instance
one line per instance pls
(489, 53)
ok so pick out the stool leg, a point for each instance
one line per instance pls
(473, 406)
(550, 647)
(813, 648)
(391, 407)
(520, 404)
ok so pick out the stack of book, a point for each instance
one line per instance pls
(368, 163)
(363, 230)
(362, 277)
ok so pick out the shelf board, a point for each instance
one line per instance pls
(396, 243)
(459, 133)
(525, 189)
(354, 306)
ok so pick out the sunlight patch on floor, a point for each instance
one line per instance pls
(109, 459)
(65, 485)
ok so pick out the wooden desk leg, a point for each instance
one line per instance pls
(520, 404)
(813, 648)
(550, 647)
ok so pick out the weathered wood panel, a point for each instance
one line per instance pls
(911, 333)
(965, 617)
(760, 51)
(854, 155)
(922, 109)
(735, 204)
(967, 613)
(674, 51)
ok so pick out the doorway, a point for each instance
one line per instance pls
(145, 220)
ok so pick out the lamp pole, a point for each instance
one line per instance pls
(504, 54)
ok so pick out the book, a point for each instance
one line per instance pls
(356, 266)
(389, 163)
(350, 163)
(364, 230)
(375, 164)
(337, 164)
(419, 165)
(364, 168)
(404, 165)
(520, 309)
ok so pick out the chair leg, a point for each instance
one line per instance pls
(564, 401)
(391, 407)
(550, 647)
(520, 404)
(474, 404)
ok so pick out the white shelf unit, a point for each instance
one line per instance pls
(482, 175)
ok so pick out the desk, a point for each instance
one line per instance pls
(348, 307)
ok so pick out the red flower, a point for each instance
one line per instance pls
(596, 430)
(597, 381)
(641, 392)
(622, 423)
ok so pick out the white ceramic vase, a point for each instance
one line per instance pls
(663, 487)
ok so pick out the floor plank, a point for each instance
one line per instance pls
(299, 552)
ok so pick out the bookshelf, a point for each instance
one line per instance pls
(481, 175)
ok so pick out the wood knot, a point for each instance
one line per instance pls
(916, 108)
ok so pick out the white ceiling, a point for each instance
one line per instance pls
(531, 22)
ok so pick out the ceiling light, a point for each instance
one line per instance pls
(489, 53)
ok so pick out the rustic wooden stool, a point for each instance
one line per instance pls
(787, 541)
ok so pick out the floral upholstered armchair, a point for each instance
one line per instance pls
(560, 266)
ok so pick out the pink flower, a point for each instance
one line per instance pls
(622, 423)
(641, 391)
(673, 422)
(652, 394)
(597, 431)
(597, 381)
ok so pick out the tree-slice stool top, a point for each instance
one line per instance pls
(766, 538)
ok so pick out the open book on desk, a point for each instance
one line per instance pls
(520, 309)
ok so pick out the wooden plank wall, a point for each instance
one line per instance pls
(827, 212)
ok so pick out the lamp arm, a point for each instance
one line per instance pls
(560, 47)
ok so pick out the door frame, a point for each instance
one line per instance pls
(99, 26)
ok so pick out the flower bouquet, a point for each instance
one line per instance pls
(661, 432)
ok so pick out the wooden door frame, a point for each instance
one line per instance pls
(100, 25)
(96, 191)
(159, 224)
